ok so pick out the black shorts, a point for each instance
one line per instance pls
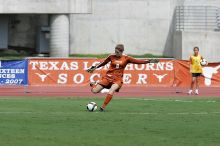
(196, 74)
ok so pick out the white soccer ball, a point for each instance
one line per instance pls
(204, 62)
(91, 106)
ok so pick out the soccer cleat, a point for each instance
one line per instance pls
(190, 92)
(197, 92)
(101, 109)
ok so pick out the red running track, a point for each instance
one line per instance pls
(67, 91)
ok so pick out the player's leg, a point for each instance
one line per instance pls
(108, 98)
(192, 85)
(197, 85)
(97, 88)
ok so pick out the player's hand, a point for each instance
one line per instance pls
(91, 69)
(154, 60)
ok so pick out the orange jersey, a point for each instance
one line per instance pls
(118, 65)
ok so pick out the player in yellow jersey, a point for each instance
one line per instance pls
(195, 69)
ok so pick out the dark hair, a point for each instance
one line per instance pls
(196, 48)
(120, 47)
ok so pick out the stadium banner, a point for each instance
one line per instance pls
(210, 76)
(69, 71)
(13, 72)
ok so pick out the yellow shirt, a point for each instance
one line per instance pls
(195, 64)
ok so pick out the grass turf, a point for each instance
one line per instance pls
(126, 122)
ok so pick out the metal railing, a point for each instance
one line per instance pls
(197, 18)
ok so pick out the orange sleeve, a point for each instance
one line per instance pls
(137, 61)
(104, 62)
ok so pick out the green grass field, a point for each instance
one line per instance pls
(126, 122)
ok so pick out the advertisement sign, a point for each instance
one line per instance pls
(210, 76)
(73, 72)
(13, 72)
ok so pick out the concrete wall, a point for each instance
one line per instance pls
(23, 28)
(45, 6)
(208, 42)
(215, 3)
(3, 32)
(177, 45)
(144, 26)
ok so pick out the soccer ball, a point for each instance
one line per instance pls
(203, 62)
(91, 106)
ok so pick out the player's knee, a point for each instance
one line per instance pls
(111, 92)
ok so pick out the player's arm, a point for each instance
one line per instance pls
(138, 61)
(190, 60)
(92, 68)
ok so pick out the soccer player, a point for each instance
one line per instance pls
(196, 70)
(113, 78)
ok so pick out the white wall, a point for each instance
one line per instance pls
(45, 6)
(201, 2)
(208, 42)
(144, 26)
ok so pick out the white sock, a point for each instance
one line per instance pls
(104, 90)
(190, 91)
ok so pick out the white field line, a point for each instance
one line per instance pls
(29, 112)
(184, 113)
(131, 113)
(167, 100)
(5, 112)
(145, 99)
